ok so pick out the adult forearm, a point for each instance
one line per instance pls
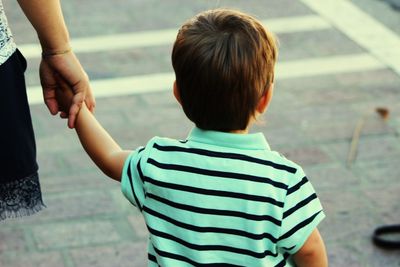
(47, 19)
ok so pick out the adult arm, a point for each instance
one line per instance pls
(47, 19)
(312, 253)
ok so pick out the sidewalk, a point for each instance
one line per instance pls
(332, 72)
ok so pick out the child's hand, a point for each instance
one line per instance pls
(64, 96)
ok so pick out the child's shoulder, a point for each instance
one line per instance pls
(162, 144)
(294, 172)
(279, 158)
(157, 141)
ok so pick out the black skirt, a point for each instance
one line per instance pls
(20, 192)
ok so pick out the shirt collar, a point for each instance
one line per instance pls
(252, 141)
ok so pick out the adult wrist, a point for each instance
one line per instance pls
(55, 52)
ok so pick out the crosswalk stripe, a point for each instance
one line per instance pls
(285, 70)
(167, 36)
(363, 29)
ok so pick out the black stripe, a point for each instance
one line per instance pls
(131, 183)
(139, 169)
(231, 213)
(141, 149)
(258, 255)
(299, 205)
(297, 186)
(221, 174)
(288, 249)
(227, 155)
(190, 261)
(214, 192)
(151, 258)
(283, 262)
(299, 226)
(209, 229)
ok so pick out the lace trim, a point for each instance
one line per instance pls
(20, 198)
(7, 44)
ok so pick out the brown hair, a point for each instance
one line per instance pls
(224, 63)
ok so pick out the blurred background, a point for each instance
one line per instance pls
(339, 61)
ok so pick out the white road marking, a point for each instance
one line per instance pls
(167, 36)
(363, 29)
(285, 70)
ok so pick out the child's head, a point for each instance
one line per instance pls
(224, 64)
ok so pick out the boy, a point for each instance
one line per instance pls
(221, 197)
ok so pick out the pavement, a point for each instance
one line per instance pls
(339, 61)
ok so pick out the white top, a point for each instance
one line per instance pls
(7, 44)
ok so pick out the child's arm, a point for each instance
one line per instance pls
(99, 145)
(312, 253)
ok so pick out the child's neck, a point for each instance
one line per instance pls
(245, 131)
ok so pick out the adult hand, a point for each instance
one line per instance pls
(69, 69)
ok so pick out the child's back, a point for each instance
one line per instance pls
(220, 198)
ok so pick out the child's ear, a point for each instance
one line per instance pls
(176, 93)
(265, 99)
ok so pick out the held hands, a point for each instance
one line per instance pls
(63, 96)
(65, 85)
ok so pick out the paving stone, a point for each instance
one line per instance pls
(45, 124)
(11, 239)
(380, 173)
(306, 155)
(387, 205)
(123, 205)
(333, 96)
(313, 115)
(76, 160)
(70, 181)
(49, 165)
(299, 45)
(62, 142)
(51, 259)
(345, 202)
(153, 101)
(344, 130)
(340, 255)
(139, 226)
(63, 235)
(372, 256)
(370, 148)
(332, 177)
(277, 139)
(133, 61)
(79, 204)
(364, 81)
(338, 228)
(119, 255)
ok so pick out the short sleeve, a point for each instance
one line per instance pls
(302, 213)
(132, 180)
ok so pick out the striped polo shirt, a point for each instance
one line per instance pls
(220, 199)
